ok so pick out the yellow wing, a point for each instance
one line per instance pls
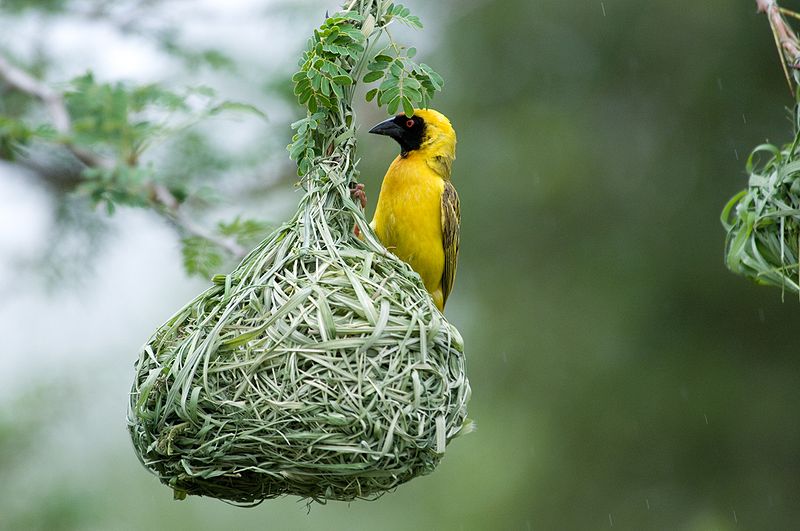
(451, 234)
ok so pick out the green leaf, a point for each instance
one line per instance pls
(412, 94)
(411, 82)
(235, 106)
(378, 66)
(338, 91)
(372, 76)
(388, 95)
(343, 80)
(408, 108)
(14, 135)
(391, 108)
(324, 100)
(247, 232)
(389, 82)
(403, 14)
(201, 257)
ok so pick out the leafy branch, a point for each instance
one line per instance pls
(107, 128)
(403, 82)
(336, 56)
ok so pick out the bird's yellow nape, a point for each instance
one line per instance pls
(438, 144)
(439, 137)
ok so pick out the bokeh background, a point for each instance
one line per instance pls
(622, 377)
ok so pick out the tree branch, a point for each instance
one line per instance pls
(24, 82)
(20, 80)
(161, 195)
(163, 200)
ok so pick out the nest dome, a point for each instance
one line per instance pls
(318, 372)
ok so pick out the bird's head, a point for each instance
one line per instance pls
(428, 132)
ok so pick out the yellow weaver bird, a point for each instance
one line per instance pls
(418, 216)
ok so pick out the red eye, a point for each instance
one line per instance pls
(409, 123)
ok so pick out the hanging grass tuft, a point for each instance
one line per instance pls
(320, 367)
(763, 221)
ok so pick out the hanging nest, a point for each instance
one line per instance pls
(763, 221)
(320, 367)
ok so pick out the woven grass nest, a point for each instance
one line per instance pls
(319, 367)
(763, 221)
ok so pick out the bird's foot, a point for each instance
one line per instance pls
(358, 194)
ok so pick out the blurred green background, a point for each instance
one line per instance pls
(622, 377)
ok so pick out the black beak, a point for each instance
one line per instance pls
(388, 128)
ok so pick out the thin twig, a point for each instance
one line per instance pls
(785, 39)
(24, 82)
(164, 201)
(161, 195)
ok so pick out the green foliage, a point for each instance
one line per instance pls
(200, 256)
(323, 83)
(323, 76)
(234, 107)
(324, 80)
(114, 124)
(17, 130)
(15, 134)
(101, 115)
(47, 6)
(204, 258)
(16, 104)
(120, 185)
(122, 120)
(402, 14)
(246, 232)
(404, 84)
(189, 162)
(194, 59)
(304, 147)
(111, 125)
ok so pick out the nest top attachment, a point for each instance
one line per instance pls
(320, 367)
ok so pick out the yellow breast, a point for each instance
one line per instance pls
(408, 217)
